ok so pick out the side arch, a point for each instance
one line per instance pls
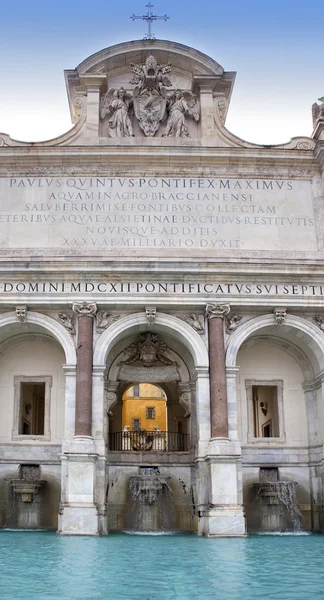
(55, 329)
(306, 334)
(163, 323)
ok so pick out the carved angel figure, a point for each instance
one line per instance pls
(181, 103)
(116, 103)
(318, 111)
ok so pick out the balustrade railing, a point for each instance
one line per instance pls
(146, 441)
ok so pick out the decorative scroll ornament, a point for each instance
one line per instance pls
(217, 310)
(111, 395)
(318, 111)
(150, 94)
(84, 309)
(150, 315)
(116, 104)
(232, 323)
(111, 399)
(280, 315)
(104, 320)
(21, 313)
(77, 105)
(148, 350)
(221, 104)
(185, 399)
(68, 321)
(197, 322)
(319, 321)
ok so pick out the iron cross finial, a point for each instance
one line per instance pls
(150, 18)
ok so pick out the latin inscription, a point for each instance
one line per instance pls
(120, 215)
(216, 289)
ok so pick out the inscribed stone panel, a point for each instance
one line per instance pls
(156, 216)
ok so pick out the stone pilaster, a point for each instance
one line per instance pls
(93, 84)
(217, 370)
(205, 85)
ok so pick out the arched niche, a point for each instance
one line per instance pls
(185, 348)
(38, 323)
(295, 331)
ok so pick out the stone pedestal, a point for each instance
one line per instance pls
(79, 515)
(221, 512)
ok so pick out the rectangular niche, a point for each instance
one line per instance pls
(32, 407)
(265, 410)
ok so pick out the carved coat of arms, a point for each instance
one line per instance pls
(148, 350)
(150, 94)
(151, 103)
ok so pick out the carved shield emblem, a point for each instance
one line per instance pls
(150, 108)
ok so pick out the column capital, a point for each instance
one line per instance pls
(84, 309)
(217, 310)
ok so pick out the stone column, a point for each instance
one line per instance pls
(217, 370)
(83, 406)
(79, 505)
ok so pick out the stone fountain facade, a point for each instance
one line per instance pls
(150, 244)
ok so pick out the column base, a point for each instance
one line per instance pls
(78, 519)
(222, 521)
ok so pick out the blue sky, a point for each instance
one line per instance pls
(275, 46)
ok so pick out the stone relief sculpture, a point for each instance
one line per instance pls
(319, 321)
(68, 321)
(104, 320)
(232, 323)
(117, 103)
(180, 104)
(221, 105)
(280, 315)
(150, 94)
(318, 111)
(21, 313)
(149, 349)
(197, 322)
(151, 102)
(150, 312)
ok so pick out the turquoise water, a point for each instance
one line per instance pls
(44, 566)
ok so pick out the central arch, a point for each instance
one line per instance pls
(167, 324)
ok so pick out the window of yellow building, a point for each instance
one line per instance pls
(144, 407)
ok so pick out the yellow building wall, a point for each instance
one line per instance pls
(134, 407)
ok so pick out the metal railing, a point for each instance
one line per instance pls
(146, 441)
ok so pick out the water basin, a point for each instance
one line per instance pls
(44, 566)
